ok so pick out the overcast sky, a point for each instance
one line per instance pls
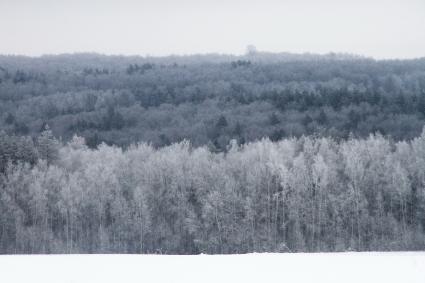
(377, 28)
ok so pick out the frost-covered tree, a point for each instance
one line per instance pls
(306, 194)
(47, 145)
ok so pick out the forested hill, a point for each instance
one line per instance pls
(210, 99)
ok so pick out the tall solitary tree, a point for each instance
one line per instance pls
(47, 145)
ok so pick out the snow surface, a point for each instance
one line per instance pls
(390, 267)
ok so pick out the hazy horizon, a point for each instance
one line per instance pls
(197, 54)
(384, 29)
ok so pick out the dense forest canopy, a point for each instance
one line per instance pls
(210, 99)
(297, 195)
(211, 154)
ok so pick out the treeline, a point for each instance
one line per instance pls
(210, 99)
(305, 194)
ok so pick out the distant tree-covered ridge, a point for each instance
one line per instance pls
(210, 99)
(312, 194)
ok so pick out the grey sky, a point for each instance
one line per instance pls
(378, 28)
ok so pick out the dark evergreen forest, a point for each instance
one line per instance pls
(210, 99)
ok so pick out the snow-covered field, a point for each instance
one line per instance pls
(401, 267)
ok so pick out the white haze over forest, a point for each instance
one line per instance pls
(381, 28)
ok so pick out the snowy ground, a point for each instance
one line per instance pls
(402, 267)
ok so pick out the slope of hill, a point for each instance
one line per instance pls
(210, 99)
